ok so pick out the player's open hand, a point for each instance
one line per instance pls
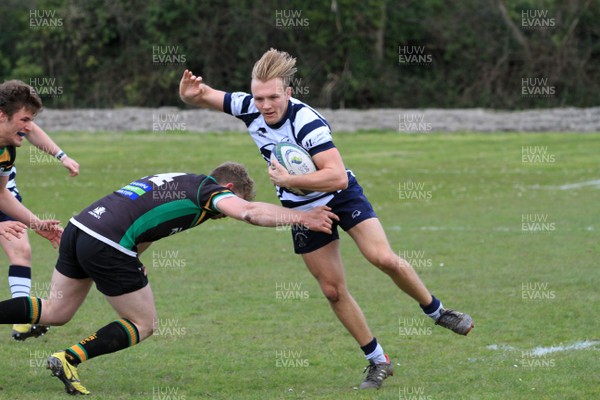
(320, 219)
(49, 229)
(191, 88)
(10, 229)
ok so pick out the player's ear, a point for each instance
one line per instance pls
(3, 116)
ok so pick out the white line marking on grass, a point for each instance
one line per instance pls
(477, 229)
(542, 351)
(500, 347)
(469, 229)
(579, 185)
(595, 184)
(586, 344)
(443, 228)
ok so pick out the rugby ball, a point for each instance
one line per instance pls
(295, 160)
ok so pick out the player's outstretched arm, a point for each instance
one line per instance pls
(48, 229)
(196, 93)
(318, 219)
(40, 139)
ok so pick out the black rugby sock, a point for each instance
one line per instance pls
(117, 335)
(21, 310)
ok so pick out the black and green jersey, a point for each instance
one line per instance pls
(151, 208)
(7, 159)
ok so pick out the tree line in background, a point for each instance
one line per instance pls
(508, 54)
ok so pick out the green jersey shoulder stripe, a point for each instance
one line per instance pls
(158, 215)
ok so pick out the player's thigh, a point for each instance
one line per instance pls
(138, 307)
(18, 250)
(372, 241)
(325, 263)
(65, 296)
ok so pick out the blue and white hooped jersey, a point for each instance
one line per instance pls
(11, 185)
(301, 125)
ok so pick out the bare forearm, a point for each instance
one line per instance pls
(318, 219)
(270, 215)
(319, 181)
(330, 176)
(42, 141)
(16, 210)
(211, 98)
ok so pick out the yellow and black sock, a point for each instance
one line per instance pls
(117, 335)
(21, 310)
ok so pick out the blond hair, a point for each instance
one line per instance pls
(275, 64)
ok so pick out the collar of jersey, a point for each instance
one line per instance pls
(285, 117)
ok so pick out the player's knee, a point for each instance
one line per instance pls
(149, 331)
(49, 316)
(387, 261)
(20, 254)
(331, 293)
(54, 319)
(145, 328)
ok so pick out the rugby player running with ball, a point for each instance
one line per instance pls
(271, 116)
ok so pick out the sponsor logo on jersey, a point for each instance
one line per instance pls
(135, 190)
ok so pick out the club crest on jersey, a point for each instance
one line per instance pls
(97, 212)
(262, 132)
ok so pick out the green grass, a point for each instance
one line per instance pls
(224, 326)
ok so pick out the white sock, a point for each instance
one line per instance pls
(436, 314)
(19, 287)
(377, 356)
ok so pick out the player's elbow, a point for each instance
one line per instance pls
(249, 215)
(341, 181)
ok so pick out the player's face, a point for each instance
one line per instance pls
(271, 99)
(10, 127)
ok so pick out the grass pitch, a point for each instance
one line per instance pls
(503, 226)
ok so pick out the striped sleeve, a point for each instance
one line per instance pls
(238, 103)
(210, 193)
(312, 131)
(217, 198)
(241, 106)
